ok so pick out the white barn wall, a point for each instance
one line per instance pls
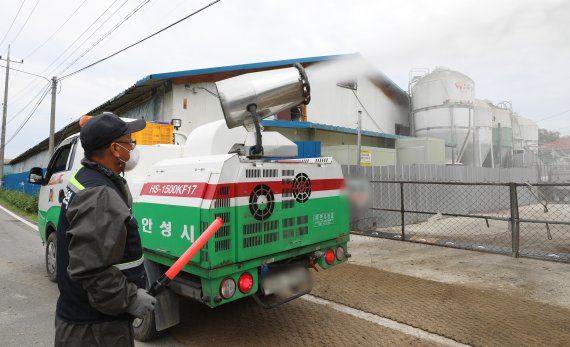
(384, 111)
(167, 106)
(334, 105)
(202, 107)
(330, 104)
(37, 160)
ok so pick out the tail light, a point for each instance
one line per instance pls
(340, 254)
(227, 288)
(329, 256)
(245, 282)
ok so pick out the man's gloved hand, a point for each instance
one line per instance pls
(141, 304)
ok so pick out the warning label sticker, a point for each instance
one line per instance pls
(323, 219)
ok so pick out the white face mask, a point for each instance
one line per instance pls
(134, 156)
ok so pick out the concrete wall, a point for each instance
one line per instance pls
(420, 150)
(346, 154)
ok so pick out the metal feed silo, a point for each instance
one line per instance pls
(518, 142)
(483, 133)
(527, 133)
(502, 135)
(442, 107)
(525, 140)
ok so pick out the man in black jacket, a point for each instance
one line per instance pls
(101, 277)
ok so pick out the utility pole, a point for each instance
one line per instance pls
(359, 132)
(52, 118)
(4, 114)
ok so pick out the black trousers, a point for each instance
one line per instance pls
(112, 334)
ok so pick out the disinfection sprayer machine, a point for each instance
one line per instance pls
(278, 216)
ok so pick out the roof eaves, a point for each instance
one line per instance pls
(145, 81)
(311, 125)
(68, 130)
(250, 66)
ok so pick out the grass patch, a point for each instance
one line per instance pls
(20, 203)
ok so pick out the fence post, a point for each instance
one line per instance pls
(402, 210)
(514, 220)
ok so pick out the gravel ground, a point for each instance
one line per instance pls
(298, 323)
(468, 315)
(532, 279)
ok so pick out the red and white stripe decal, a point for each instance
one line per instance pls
(212, 191)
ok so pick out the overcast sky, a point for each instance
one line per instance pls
(516, 50)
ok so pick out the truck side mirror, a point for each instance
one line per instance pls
(36, 175)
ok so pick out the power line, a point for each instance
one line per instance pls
(17, 94)
(26, 22)
(107, 34)
(29, 89)
(80, 36)
(136, 43)
(83, 33)
(45, 93)
(554, 115)
(57, 30)
(68, 47)
(87, 39)
(28, 104)
(11, 25)
(15, 97)
(26, 72)
(64, 131)
(46, 90)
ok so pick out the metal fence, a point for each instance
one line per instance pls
(443, 173)
(519, 219)
(19, 182)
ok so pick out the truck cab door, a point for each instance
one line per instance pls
(61, 166)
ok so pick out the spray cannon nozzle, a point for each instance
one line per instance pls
(249, 98)
(271, 91)
(306, 85)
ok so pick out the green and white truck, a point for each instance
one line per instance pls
(282, 216)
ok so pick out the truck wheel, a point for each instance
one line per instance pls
(145, 328)
(51, 257)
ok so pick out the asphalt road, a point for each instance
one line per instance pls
(27, 297)
(27, 300)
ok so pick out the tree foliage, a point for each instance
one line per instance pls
(547, 136)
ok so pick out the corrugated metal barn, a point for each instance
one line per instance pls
(341, 86)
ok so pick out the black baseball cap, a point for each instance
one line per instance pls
(105, 128)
